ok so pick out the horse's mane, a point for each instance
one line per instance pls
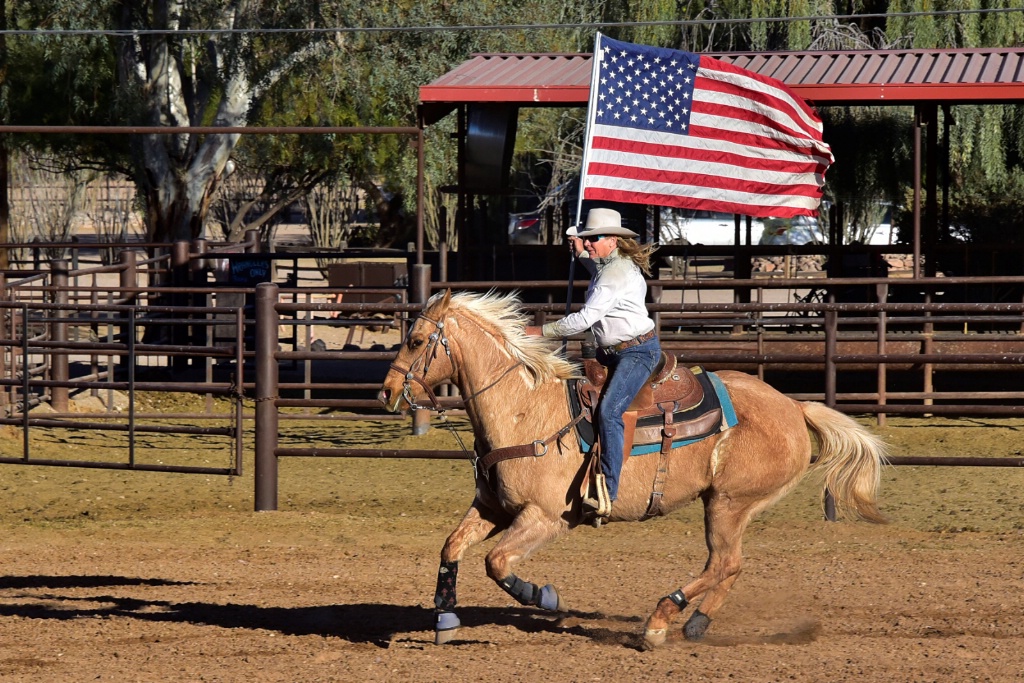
(503, 314)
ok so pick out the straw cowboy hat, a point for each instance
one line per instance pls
(604, 222)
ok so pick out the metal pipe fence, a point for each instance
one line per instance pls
(900, 353)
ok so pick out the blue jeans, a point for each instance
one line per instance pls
(628, 370)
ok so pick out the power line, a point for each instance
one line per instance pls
(128, 33)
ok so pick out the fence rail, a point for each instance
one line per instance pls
(908, 347)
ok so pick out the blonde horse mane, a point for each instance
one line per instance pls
(502, 314)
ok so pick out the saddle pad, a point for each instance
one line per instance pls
(715, 397)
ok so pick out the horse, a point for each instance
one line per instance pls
(515, 395)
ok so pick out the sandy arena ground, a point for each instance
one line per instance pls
(134, 576)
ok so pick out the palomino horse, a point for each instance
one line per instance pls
(514, 390)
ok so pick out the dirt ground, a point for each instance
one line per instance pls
(136, 576)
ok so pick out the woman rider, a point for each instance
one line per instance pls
(616, 311)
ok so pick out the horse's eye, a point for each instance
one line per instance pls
(415, 343)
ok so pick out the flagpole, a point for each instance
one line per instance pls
(595, 70)
(588, 130)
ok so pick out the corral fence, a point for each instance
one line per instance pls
(170, 323)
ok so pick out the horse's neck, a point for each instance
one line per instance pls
(504, 406)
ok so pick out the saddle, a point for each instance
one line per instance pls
(674, 407)
(665, 410)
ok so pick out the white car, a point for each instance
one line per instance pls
(796, 230)
(693, 226)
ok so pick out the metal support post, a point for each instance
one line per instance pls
(59, 333)
(419, 292)
(267, 321)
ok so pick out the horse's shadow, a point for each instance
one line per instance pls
(374, 623)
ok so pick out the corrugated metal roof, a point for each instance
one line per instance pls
(962, 76)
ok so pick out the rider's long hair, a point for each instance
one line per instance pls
(640, 254)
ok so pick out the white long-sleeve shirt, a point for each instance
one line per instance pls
(614, 306)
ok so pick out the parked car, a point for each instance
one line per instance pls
(797, 230)
(694, 226)
(524, 228)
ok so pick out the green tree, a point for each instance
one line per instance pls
(156, 73)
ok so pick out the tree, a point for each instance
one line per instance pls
(158, 73)
(189, 80)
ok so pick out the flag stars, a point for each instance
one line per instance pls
(644, 89)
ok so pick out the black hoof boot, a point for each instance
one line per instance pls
(696, 626)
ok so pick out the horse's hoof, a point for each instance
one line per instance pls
(446, 626)
(696, 626)
(445, 637)
(550, 600)
(654, 637)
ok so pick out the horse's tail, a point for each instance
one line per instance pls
(851, 458)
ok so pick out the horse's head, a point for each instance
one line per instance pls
(424, 360)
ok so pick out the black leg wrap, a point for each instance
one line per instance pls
(444, 596)
(678, 598)
(523, 591)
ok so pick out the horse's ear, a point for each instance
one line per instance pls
(438, 304)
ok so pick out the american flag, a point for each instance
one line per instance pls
(673, 128)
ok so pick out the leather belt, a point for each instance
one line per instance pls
(635, 341)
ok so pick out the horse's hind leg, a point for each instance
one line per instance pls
(477, 525)
(725, 520)
(529, 530)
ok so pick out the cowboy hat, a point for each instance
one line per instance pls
(604, 222)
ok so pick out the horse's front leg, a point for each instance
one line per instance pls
(531, 529)
(478, 524)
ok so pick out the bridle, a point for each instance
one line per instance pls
(537, 448)
(434, 340)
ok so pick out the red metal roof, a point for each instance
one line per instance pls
(962, 76)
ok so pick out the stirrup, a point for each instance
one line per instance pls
(603, 498)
